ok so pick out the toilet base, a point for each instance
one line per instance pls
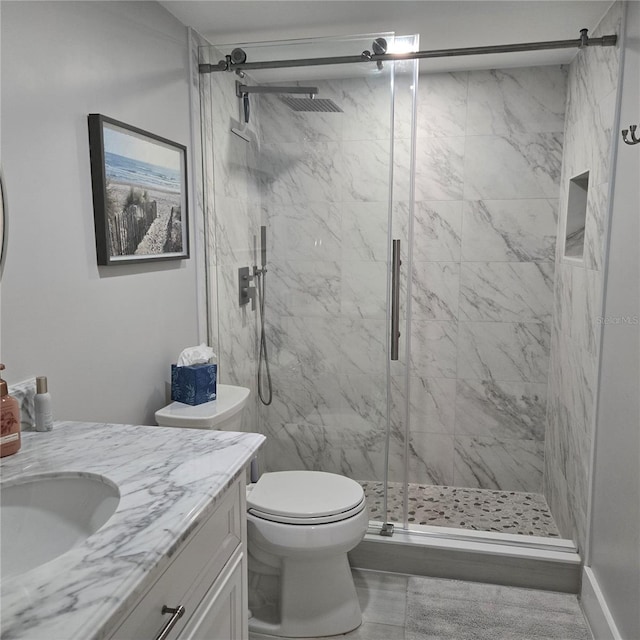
(317, 598)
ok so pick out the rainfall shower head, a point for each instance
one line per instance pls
(308, 103)
(319, 105)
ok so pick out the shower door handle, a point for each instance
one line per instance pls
(395, 299)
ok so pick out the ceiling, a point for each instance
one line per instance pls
(441, 24)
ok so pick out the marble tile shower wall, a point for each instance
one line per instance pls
(231, 202)
(487, 181)
(489, 150)
(591, 103)
(325, 188)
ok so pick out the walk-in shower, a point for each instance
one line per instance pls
(452, 433)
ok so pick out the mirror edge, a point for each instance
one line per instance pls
(3, 222)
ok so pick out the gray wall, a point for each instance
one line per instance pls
(615, 515)
(105, 336)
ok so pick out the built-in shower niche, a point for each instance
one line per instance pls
(576, 216)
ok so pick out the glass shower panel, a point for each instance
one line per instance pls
(232, 218)
(323, 182)
(482, 277)
(401, 443)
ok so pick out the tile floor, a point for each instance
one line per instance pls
(400, 607)
(477, 509)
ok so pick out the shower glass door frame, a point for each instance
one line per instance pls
(400, 226)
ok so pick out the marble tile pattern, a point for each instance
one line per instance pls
(592, 86)
(324, 184)
(169, 481)
(485, 221)
(487, 174)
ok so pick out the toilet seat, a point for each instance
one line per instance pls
(305, 497)
(335, 517)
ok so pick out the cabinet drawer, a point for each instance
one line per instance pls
(191, 573)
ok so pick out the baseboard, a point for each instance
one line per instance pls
(548, 569)
(595, 608)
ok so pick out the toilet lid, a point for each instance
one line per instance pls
(312, 496)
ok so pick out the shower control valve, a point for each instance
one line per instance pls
(246, 292)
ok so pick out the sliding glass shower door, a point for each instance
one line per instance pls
(326, 179)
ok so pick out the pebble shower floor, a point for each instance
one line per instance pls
(478, 509)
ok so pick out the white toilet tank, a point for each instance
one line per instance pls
(223, 414)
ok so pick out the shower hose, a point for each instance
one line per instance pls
(265, 394)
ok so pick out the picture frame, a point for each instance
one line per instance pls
(140, 202)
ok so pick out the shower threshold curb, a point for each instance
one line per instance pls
(504, 559)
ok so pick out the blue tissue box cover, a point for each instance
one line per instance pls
(194, 384)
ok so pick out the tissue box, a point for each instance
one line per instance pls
(194, 384)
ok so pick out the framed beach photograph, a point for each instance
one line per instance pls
(139, 194)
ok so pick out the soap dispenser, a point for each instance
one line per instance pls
(9, 421)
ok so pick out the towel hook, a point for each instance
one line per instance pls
(632, 129)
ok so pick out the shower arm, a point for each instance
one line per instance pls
(583, 41)
(244, 90)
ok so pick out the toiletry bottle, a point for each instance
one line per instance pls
(9, 421)
(44, 418)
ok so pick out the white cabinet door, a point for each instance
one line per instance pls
(220, 615)
(188, 580)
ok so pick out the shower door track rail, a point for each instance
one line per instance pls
(443, 534)
(366, 56)
(534, 563)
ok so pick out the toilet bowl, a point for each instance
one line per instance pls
(300, 526)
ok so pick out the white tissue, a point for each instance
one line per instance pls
(195, 355)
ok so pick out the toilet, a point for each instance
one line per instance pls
(300, 527)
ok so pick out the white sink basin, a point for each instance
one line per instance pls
(44, 516)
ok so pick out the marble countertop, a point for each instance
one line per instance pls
(169, 479)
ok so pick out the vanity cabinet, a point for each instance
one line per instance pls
(207, 577)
